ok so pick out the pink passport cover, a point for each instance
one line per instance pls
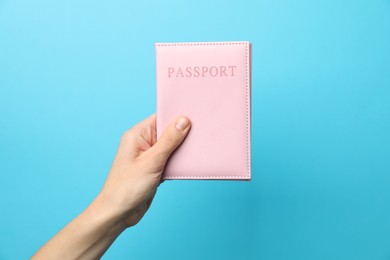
(210, 83)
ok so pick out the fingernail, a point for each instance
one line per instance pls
(182, 123)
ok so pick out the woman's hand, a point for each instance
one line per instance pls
(138, 166)
(126, 195)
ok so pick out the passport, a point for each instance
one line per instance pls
(210, 83)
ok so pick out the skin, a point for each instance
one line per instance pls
(126, 194)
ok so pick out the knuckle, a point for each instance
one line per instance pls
(126, 136)
(169, 141)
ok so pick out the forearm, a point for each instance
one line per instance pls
(88, 236)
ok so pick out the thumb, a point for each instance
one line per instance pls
(171, 138)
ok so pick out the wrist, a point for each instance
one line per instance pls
(101, 213)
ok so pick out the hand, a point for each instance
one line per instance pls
(138, 166)
(126, 195)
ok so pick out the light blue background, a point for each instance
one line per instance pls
(74, 75)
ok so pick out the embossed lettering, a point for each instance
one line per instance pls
(202, 71)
